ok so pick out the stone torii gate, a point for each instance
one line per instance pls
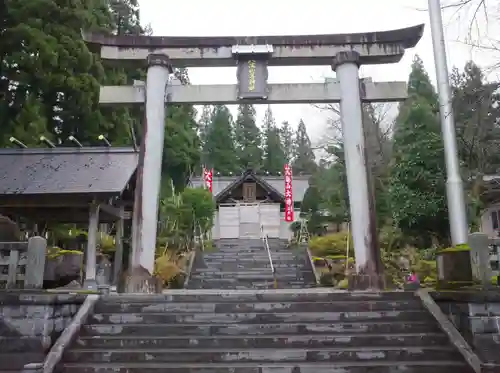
(252, 56)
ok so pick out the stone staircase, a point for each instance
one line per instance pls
(266, 331)
(244, 264)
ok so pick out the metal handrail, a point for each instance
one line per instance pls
(265, 241)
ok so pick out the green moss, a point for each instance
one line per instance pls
(458, 248)
(72, 291)
(343, 284)
(336, 257)
(55, 252)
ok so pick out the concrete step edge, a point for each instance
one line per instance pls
(282, 350)
(271, 336)
(223, 324)
(318, 365)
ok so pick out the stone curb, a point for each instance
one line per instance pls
(449, 329)
(67, 337)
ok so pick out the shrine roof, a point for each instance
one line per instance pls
(52, 171)
(300, 184)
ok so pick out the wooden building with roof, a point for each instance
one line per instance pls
(82, 185)
(249, 202)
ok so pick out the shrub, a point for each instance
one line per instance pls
(390, 238)
(330, 245)
(416, 259)
(327, 279)
(168, 268)
(106, 243)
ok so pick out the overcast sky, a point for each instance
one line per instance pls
(299, 17)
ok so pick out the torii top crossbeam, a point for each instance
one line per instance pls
(291, 50)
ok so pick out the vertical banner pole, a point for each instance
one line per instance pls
(289, 213)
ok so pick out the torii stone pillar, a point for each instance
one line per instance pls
(368, 267)
(147, 193)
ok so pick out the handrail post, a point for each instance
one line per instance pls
(265, 241)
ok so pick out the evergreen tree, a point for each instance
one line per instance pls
(30, 123)
(247, 136)
(417, 183)
(181, 149)
(420, 84)
(476, 109)
(312, 206)
(125, 17)
(203, 126)
(274, 156)
(220, 146)
(476, 105)
(286, 134)
(303, 160)
(331, 182)
(55, 69)
(45, 60)
(49, 80)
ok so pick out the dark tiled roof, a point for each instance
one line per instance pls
(249, 174)
(66, 170)
(300, 184)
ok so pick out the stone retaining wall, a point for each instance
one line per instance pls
(477, 316)
(31, 322)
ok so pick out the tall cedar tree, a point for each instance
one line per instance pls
(274, 156)
(417, 184)
(304, 158)
(50, 80)
(476, 105)
(286, 135)
(220, 145)
(248, 138)
(45, 63)
(203, 126)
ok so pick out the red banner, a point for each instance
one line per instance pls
(208, 177)
(288, 194)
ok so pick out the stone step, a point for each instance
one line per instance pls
(242, 267)
(362, 367)
(256, 280)
(211, 285)
(15, 360)
(297, 355)
(231, 258)
(226, 307)
(271, 341)
(21, 344)
(318, 295)
(250, 264)
(253, 263)
(486, 345)
(204, 329)
(261, 279)
(264, 276)
(260, 251)
(259, 247)
(250, 270)
(239, 267)
(256, 261)
(244, 285)
(249, 253)
(258, 318)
